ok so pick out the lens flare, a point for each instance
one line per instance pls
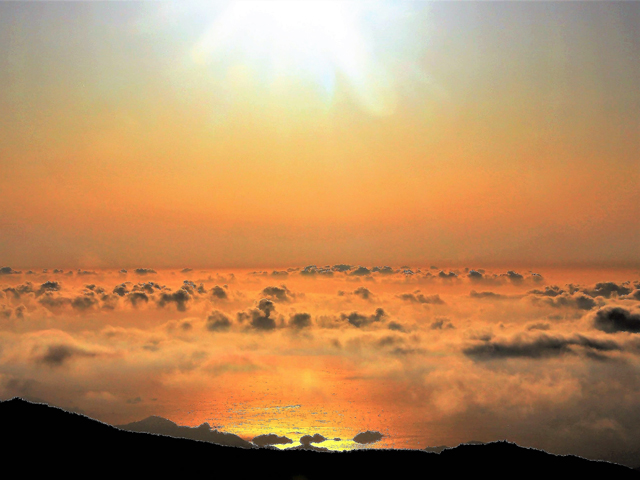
(290, 41)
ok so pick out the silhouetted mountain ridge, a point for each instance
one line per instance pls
(204, 433)
(57, 440)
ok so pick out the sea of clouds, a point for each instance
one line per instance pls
(546, 360)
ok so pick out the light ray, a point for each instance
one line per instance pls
(287, 41)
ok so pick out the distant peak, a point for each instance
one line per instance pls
(152, 421)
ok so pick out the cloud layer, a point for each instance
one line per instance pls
(325, 352)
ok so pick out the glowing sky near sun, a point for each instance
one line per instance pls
(272, 133)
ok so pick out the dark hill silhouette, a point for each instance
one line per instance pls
(437, 449)
(48, 439)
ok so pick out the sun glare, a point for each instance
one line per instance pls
(292, 40)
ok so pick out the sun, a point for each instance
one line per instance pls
(300, 40)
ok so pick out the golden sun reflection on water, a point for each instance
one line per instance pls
(296, 402)
(338, 426)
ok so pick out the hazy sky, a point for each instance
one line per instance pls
(173, 134)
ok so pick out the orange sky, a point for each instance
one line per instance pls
(138, 134)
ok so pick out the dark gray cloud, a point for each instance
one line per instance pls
(144, 271)
(20, 290)
(384, 270)
(578, 301)
(491, 295)
(121, 290)
(360, 271)
(270, 439)
(86, 272)
(278, 294)
(8, 271)
(218, 322)
(149, 287)
(136, 298)
(49, 300)
(19, 311)
(363, 293)
(260, 318)
(193, 289)
(59, 354)
(358, 320)
(84, 302)
(95, 288)
(389, 340)
(480, 276)
(180, 298)
(219, 292)
(259, 274)
(308, 439)
(543, 346)
(368, 437)
(442, 324)
(396, 327)
(514, 277)
(279, 273)
(404, 351)
(447, 276)
(49, 286)
(549, 291)
(417, 297)
(312, 270)
(607, 289)
(475, 276)
(300, 320)
(109, 301)
(190, 287)
(617, 319)
(341, 267)
(263, 322)
(266, 306)
(396, 345)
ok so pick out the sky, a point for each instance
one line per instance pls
(226, 135)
